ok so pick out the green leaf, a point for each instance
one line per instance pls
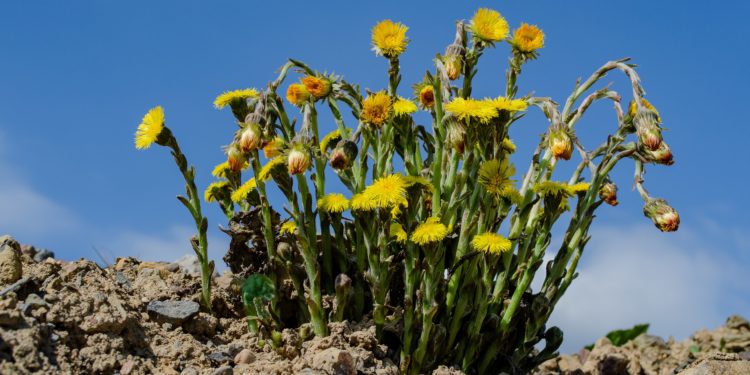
(257, 286)
(621, 336)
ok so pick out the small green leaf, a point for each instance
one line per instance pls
(621, 336)
(257, 286)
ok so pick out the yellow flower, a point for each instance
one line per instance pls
(241, 193)
(333, 136)
(297, 94)
(419, 181)
(495, 176)
(404, 107)
(389, 38)
(426, 96)
(318, 87)
(273, 148)
(512, 105)
(220, 171)
(508, 145)
(430, 231)
(376, 109)
(580, 187)
(464, 109)
(489, 26)
(490, 243)
(386, 193)
(398, 233)
(528, 38)
(288, 227)
(214, 190)
(228, 97)
(333, 203)
(553, 189)
(150, 128)
(265, 172)
(632, 108)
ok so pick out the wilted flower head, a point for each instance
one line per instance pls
(489, 26)
(297, 94)
(319, 87)
(150, 128)
(663, 215)
(299, 159)
(432, 230)
(662, 155)
(389, 38)
(454, 60)
(527, 38)
(333, 203)
(560, 142)
(343, 155)
(376, 109)
(608, 193)
(490, 243)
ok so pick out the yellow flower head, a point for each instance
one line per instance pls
(398, 233)
(317, 86)
(528, 38)
(215, 190)
(273, 148)
(297, 94)
(508, 146)
(229, 97)
(464, 109)
(511, 105)
(333, 203)
(495, 176)
(241, 193)
(329, 140)
(553, 189)
(288, 227)
(265, 172)
(633, 108)
(580, 187)
(386, 193)
(389, 38)
(426, 95)
(418, 181)
(376, 109)
(150, 128)
(490, 243)
(430, 231)
(489, 26)
(404, 107)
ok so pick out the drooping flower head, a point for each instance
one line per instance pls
(489, 26)
(465, 109)
(376, 109)
(333, 203)
(398, 233)
(389, 38)
(289, 227)
(235, 157)
(229, 98)
(216, 190)
(431, 231)
(319, 87)
(559, 142)
(242, 192)
(662, 155)
(404, 107)
(608, 193)
(662, 214)
(150, 128)
(267, 171)
(297, 94)
(330, 140)
(490, 243)
(385, 193)
(528, 38)
(343, 155)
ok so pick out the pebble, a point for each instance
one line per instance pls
(127, 368)
(173, 312)
(10, 260)
(245, 356)
(224, 370)
(40, 256)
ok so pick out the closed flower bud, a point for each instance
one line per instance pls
(663, 215)
(251, 137)
(608, 193)
(453, 61)
(298, 160)
(235, 157)
(663, 155)
(559, 143)
(343, 155)
(647, 127)
(456, 133)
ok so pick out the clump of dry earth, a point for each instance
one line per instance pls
(139, 317)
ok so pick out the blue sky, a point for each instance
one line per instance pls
(76, 77)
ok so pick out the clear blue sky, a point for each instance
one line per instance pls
(76, 78)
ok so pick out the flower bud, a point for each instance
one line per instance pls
(453, 60)
(298, 160)
(456, 133)
(647, 128)
(560, 143)
(663, 155)
(251, 137)
(663, 215)
(235, 157)
(426, 96)
(343, 155)
(608, 193)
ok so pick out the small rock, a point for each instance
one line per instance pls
(20, 287)
(245, 356)
(189, 371)
(127, 367)
(718, 363)
(219, 357)
(172, 267)
(34, 300)
(123, 280)
(224, 370)
(40, 256)
(10, 260)
(174, 312)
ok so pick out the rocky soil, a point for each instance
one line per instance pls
(143, 318)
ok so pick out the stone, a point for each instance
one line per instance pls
(20, 287)
(219, 357)
(334, 361)
(718, 363)
(127, 368)
(224, 370)
(189, 371)
(245, 356)
(174, 312)
(43, 254)
(10, 260)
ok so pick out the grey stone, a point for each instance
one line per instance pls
(219, 357)
(43, 254)
(18, 287)
(123, 280)
(173, 312)
(224, 370)
(34, 300)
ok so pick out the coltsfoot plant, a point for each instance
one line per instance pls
(433, 235)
